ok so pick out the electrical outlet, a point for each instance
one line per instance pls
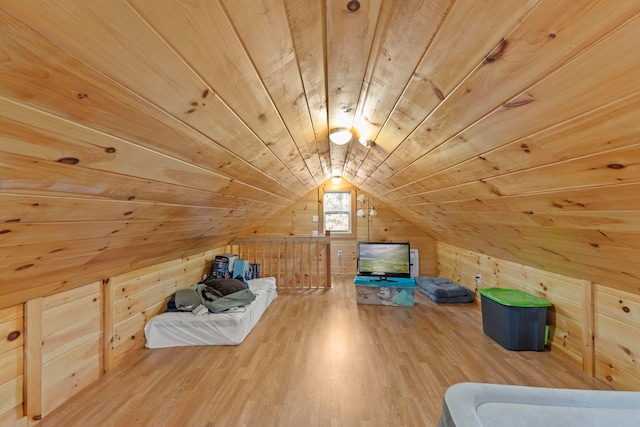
(339, 254)
(479, 278)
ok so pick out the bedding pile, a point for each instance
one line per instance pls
(217, 295)
(229, 317)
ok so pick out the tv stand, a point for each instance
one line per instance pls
(382, 290)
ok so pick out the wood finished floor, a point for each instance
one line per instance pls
(317, 358)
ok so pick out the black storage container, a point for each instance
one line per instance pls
(514, 319)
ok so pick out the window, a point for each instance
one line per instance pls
(337, 211)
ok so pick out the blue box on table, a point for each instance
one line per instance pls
(393, 291)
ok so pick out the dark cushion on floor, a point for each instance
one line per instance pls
(441, 289)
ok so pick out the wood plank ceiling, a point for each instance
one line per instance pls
(135, 130)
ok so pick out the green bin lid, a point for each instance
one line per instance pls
(513, 297)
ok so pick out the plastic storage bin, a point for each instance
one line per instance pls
(514, 319)
(397, 291)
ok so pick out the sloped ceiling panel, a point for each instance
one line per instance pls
(133, 131)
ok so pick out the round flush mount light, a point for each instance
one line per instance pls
(353, 6)
(340, 136)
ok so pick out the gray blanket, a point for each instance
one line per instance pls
(441, 289)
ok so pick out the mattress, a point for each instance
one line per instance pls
(175, 329)
(494, 405)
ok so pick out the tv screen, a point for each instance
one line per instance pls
(383, 259)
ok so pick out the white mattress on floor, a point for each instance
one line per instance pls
(177, 329)
(494, 405)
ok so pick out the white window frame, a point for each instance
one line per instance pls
(348, 212)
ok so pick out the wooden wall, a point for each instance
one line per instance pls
(72, 333)
(594, 326)
(617, 337)
(139, 295)
(52, 347)
(11, 364)
(387, 226)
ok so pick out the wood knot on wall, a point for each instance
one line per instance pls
(195, 104)
(497, 52)
(518, 103)
(69, 160)
(438, 93)
(436, 90)
(353, 6)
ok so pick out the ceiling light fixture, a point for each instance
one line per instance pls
(336, 179)
(340, 136)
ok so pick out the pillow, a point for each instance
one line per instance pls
(243, 280)
(225, 286)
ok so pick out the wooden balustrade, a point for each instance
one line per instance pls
(295, 262)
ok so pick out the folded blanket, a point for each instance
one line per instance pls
(441, 289)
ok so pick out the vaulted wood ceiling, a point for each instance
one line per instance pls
(506, 127)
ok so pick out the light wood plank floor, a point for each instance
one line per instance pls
(317, 359)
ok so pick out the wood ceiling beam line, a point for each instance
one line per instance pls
(606, 115)
(539, 82)
(94, 79)
(440, 63)
(215, 93)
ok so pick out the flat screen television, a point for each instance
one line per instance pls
(383, 259)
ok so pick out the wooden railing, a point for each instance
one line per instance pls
(295, 262)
